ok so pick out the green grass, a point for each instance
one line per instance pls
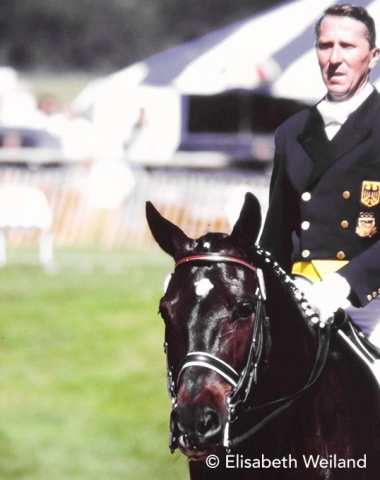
(82, 370)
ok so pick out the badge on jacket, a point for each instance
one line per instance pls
(370, 196)
(366, 226)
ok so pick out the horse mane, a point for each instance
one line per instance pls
(276, 276)
(282, 290)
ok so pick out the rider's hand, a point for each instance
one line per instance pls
(326, 296)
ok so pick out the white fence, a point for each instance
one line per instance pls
(104, 206)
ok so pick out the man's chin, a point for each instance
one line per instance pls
(338, 92)
(337, 95)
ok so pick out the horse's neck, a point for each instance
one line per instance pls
(345, 383)
(294, 340)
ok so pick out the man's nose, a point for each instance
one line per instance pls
(336, 54)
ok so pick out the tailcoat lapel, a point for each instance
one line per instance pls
(354, 131)
(315, 142)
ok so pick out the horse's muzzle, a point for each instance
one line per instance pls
(199, 431)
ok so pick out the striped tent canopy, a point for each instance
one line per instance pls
(274, 49)
(240, 55)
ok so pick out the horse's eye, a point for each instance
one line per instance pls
(243, 310)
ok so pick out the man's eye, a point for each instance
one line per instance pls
(324, 46)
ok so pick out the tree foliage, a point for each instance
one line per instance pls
(103, 35)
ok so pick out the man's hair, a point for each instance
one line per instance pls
(351, 11)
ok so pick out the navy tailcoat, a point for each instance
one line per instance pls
(325, 196)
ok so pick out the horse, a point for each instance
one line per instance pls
(260, 388)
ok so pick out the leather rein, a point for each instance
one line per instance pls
(259, 350)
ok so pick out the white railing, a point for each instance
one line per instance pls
(105, 207)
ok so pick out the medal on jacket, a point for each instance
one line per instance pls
(370, 196)
(366, 226)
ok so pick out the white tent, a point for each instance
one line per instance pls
(273, 50)
(237, 56)
(275, 47)
(129, 115)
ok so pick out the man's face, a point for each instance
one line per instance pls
(344, 56)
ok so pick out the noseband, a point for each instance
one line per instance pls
(258, 352)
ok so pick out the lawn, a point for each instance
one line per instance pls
(82, 369)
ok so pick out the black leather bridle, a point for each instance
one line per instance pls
(259, 351)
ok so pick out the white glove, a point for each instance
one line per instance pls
(326, 296)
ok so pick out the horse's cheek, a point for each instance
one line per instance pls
(240, 344)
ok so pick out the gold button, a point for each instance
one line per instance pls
(374, 294)
(340, 255)
(346, 195)
(369, 297)
(305, 253)
(378, 290)
(305, 225)
(344, 224)
(306, 196)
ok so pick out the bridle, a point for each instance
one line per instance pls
(259, 350)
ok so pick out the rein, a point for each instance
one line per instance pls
(260, 347)
(286, 402)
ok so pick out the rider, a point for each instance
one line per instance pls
(324, 211)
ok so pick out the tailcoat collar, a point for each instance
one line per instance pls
(354, 131)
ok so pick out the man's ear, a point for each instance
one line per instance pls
(375, 52)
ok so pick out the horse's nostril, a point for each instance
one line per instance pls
(208, 423)
(195, 428)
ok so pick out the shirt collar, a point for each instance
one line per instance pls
(338, 112)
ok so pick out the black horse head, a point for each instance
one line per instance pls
(230, 311)
(209, 307)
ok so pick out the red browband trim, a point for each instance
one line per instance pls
(215, 258)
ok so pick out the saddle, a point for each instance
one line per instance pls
(355, 338)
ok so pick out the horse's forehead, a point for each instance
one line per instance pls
(216, 277)
(213, 241)
(203, 287)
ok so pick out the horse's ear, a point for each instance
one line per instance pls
(168, 236)
(247, 227)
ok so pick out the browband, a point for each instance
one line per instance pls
(215, 258)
